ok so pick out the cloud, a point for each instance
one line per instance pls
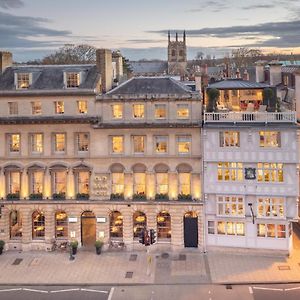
(7, 4)
(258, 6)
(145, 41)
(277, 34)
(213, 6)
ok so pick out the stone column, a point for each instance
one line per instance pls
(127, 225)
(49, 225)
(26, 228)
(177, 228)
(2, 184)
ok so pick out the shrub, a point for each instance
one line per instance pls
(161, 197)
(36, 196)
(117, 196)
(139, 197)
(183, 197)
(213, 96)
(13, 196)
(82, 196)
(59, 196)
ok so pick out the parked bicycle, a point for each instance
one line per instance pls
(116, 245)
(59, 245)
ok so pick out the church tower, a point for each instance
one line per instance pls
(177, 58)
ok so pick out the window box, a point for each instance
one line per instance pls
(13, 196)
(183, 197)
(59, 196)
(139, 197)
(36, 196)
(161, 197)
(82, 196)
(117, 197)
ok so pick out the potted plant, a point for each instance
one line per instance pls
(139, 197)
(117, 197)
(185, 197)
(2, 243)
(13, 196)
(82, 196)
(59, 196)
(99, 244)
(161, 197)
(74, 246)
(36, 196)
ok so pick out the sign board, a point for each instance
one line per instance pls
(101, 219)
(72, 219)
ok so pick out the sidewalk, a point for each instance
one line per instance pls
(171, 268)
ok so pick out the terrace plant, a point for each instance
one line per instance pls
(213, 96)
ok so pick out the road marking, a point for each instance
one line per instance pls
(95, 291)
(111, 293)
(35, 291)
(10, 290)
(250, 290)
(267, 289)
(62, 291)
(292, 289)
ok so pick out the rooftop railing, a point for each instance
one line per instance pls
(250, 117)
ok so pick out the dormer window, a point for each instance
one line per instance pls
(73, 80)
(23, 80)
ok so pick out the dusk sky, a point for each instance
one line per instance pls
(33, 28)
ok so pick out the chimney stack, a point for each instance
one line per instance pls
(118, 59)
(5, 61)
(237, 73)
(198, 84)
(260, 71)
(275, 72)
(104, 66)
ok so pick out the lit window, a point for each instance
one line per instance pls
(229, 139)
(82, 107)
(115, 224)
(211, 227)
(139, 183)
(162, 183)
(14, 143)
(138, 111)
(160, 111)
(184, 183)
(36, 182)
(184, 144)
(60, 142)
(23, 81)
(139, 223)
(270, 172)
(82, 142)
(36, 107)
(61, 225)
(14, 182)
(117, 144)
(117, 183)
(271, 230)
(230, 206)
(269, 139)
(73, 80)
(83, 182)
(230, 171)
(230, 228)
(270, 208)
(138, 144)
(183, 111)
(117, 111)
(59, 181)
(163, 225)
(36, 142)
(59, 107)
(38, 225)
(15, 225)
(13, 108)
(161, 144)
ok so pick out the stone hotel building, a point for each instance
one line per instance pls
(82, 161)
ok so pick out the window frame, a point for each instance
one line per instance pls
(77, 135)
(264, 171)
(9, 144)
(31, 143)
(236, 170)
(133, 144)
(13, 106)
(112, 111)
(56, 106)
(166, 111)
(189, 138)
(34, 110)
(133, 111)
(78, 107)
(54, 145)
(265, 143)
(268, 232)
(155, 144)
(271, 205)
(229, 134)
(188, 110)
(222, 200)
(112, 145)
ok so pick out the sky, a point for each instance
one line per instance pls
(32, 29)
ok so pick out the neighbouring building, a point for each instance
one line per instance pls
(80, 160)
(250, 170)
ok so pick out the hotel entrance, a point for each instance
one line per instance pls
(88, 229)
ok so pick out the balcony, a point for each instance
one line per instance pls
(250, 117)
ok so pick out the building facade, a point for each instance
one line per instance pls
(78, 164)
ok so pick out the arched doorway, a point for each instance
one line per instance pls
(190, 221)
(88, 228)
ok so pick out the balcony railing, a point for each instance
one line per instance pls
(250, 117)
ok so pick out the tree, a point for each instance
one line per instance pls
(199, 55)
(243, 57)
(269, 99)
(213, 96)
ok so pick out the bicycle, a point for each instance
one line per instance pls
(60, 246)
(117, 245)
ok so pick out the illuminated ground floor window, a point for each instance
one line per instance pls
(163, 225)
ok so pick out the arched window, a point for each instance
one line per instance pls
(15, 225)
(173, 53)
(116, 225)
(139, 223)
(61, 225)
(59, 180)
(13, 180)
(163, 225)
(117, 179)
(38, 225)
(184, 179)
(139, 179)
(162, 179)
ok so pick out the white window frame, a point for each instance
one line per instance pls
(133, 150)
(232, 170)
(264, 168)
(155, 144)
(275, 206)
(235, 223)
(111, 145)
(9, 143)
(112, 111)
(276, 225)
(229, 205)
(54, 143)
(189, 140)
(224, 136)
(187, 106)
(266, 134)
(144, 111)
(32, 143)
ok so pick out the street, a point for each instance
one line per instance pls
(153, 292)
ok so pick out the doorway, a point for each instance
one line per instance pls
(190, 222)
(88, 229)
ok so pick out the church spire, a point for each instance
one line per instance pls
(176, 37)
(184, 36)
(169, 37)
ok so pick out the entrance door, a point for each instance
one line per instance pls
(190, 222)
(88, 228)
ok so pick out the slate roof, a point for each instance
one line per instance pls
(49, 77)
(151, 85)
(149, 67)
(237, 84)
(290, 69)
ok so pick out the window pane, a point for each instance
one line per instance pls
(14, 145)
(22, 80)
(15, 225)
(83, 142)
(139, 183)
(82, 107)
(138, 144)
(59, 107)
(183, 111)
(139, 223)
(162, 183)
(163, 225)
(118, 183)
(38, 225)
(116, 224)
(60, 180)
(161, 144)
(61, 225)
(138, 111)
(14, 183)
(117, 144)
(184, 144)
(160, 111)
(83, 182)
(184, 183)
(59, 142)
(36, 107)
(37, 179)
(117, 111)
(13, 108)
(73, 80)
(37, 143)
